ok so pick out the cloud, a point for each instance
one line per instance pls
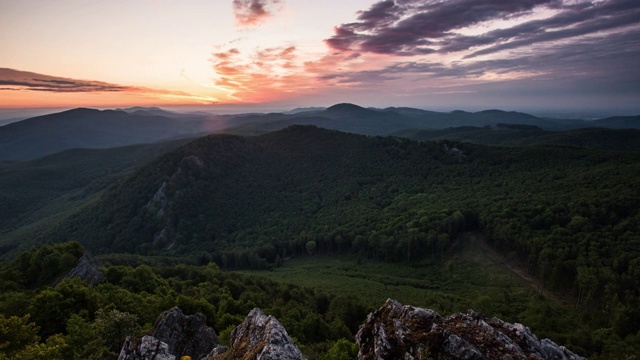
(16, 80)
(254, 12)
(422, 27)
(587, 65)
(573, 46)
(37, 82)
(409, 47)
(261, 75)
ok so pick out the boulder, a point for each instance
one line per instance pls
(174, 335)
(145, 348)
(259, 337)
(185, 335)
(405, 332)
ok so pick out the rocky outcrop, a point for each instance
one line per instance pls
(145, 348)
(406, 332)
(259, 337)
(185, 335)
(174, 335)
(392, 332)
(87, 268)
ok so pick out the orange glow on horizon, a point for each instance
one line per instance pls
(26, 99)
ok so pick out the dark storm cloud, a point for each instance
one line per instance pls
(421, 27)
(253, 12)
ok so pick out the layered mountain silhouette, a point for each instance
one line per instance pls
(90, 128)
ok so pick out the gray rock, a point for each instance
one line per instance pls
(145, 348)
(259, 337)
(174, 335)
(88, 269)
(406, 332)
(390, 332)
(185, 335)
(461, 349)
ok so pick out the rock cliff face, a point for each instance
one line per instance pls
(174, 335)
(260, 337)
(406, 332)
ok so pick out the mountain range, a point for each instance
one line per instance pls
(90, 128)
(402, 190)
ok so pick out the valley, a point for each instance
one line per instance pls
(512, 220)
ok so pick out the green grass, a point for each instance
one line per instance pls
(465, 279)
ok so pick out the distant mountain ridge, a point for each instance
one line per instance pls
(627, 140)
(91, 128)
(370, 121)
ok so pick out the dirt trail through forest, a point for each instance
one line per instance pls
(517, 269)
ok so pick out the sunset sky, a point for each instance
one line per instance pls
(466, 54)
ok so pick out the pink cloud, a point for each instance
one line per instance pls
(254, 12)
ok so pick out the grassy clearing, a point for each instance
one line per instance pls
(467, 278)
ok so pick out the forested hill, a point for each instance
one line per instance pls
(571, 215)
(627, 140)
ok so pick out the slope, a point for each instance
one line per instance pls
(90, 128)
(38, 190)
(568, 215)
(627, 140)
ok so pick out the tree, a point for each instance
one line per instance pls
(16, 333)
(341, 350)
(311, 247)
(114, 326)
(19, 340)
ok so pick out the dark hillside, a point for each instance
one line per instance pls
(619, 122)
(245, 202)
(625, 140)
(568, 216)
(32, 190)
(87, 128)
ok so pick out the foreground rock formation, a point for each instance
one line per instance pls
(406, 332)
(260, 337)
(392, 332)
(174, 335)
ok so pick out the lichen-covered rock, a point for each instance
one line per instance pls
(185, 335)
(145, 348)
(406, 332)
(259, 337)
(180, 334)
(87, 268)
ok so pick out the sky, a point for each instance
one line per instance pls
(281, 54)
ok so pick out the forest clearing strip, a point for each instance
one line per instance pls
(518, 270)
